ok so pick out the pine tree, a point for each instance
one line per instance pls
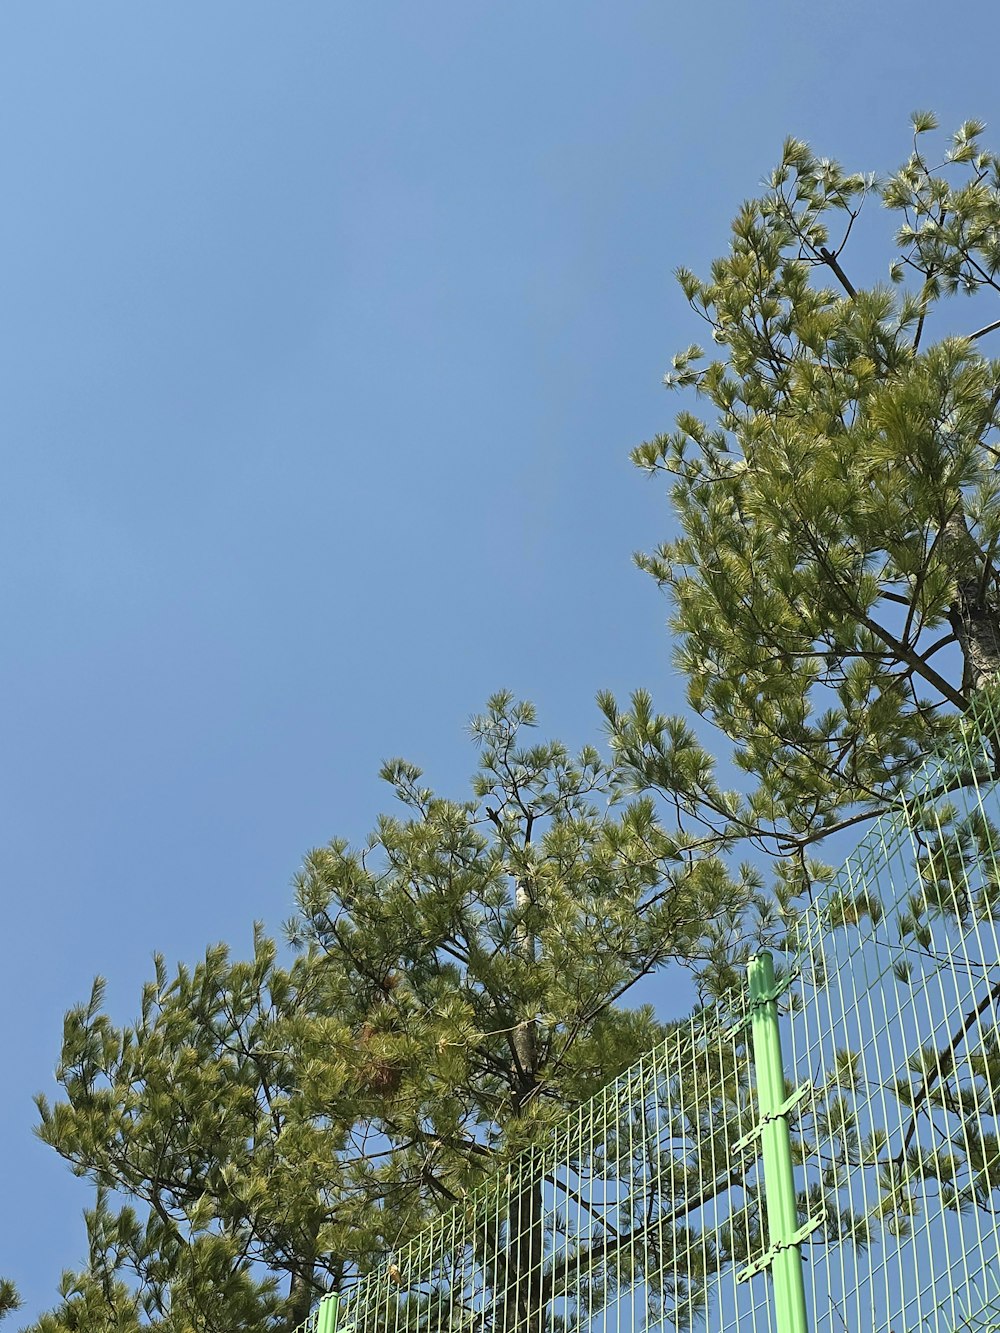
(835, 593)
(9, 1299)
(266, 1131)
(835, 583)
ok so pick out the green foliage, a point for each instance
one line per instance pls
(9, 1299)
(637, 1197)
(834, 582)
(835, 597)
(268, 1129)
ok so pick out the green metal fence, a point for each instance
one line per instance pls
(822, 1155)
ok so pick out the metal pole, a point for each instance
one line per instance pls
(779, 1181)
(326, 1317)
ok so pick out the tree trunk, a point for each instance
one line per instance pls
(302, 1290)
(974, 613)
(300, 1299)
(523, 1286)
(524, 1309)
(524, 1070)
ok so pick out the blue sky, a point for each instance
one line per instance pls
(327, 329)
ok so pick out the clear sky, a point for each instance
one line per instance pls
(327, 328)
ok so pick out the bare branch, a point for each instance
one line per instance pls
(987, 328)
(831, 260)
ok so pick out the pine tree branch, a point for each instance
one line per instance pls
(602, 1251)
(981, 333)
(904, 651)
(943, 642)
(945, 1063)
(832, 262)
(798, 844)
(595, 1210)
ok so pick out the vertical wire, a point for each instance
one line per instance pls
(964, 1059)
(886, 1121)
(727, 1276)
(798, 1022)
(933, 1023)
(821, 1064)
(802, 1072)
(986, 920)
(867, 959)
(824, 954)
(700, 1149)
(891, 1025)
(633, 1181)
(678, 1258)
(912, 1131)
(585, 1229)
(914, 813)
(523, 1250)
(685, 1172)
(412, 1253)
(655, 1222)
(561, 1225)
(539, 1218)
(978, 924)
(499, 1243)
(579, 1307)
(719, 1138)
(597, 1194)
(726, 1048)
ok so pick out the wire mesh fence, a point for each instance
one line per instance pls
(631, 1213)
(647, 1207)
(892, 1031)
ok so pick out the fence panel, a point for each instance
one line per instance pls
(639, 1211)
(891, 1025)
(646, 1208)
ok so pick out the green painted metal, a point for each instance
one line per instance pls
(785, 1235)
(326, 1316)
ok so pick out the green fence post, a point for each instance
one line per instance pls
(326, 1318)
(785, 1235)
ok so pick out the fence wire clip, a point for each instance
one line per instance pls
(767, 1259)
(776, 991)
(786, 1107)
(734, 1029)
(773, 993)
